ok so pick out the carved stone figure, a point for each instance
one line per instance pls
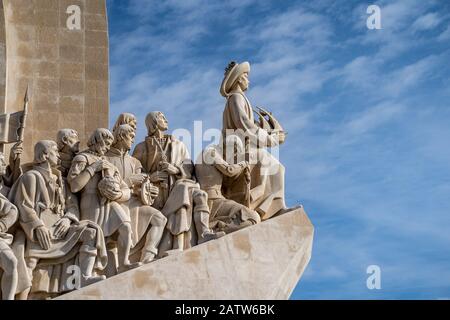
(50, 219)
(267, 176)
(226, 215)
(68, 146)
(13, 171)
(100, 187)
(8, 261)
(126, 118)
(147, 223)
(180, 198)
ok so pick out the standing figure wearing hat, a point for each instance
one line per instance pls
(266, 190)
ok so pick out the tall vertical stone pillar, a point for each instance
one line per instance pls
(60, 49)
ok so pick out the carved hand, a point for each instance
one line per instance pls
(62, 227)
(158, 176)
(154, 191)
(44, 237)
(169, 168)
(16, 151)
(138, 179)
(113, 195)
(236, 169)
(98, 165)
(7, 207)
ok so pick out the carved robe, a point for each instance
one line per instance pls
(175, 152)
(109, 215)
(179, 191)
(42, 200)
(8, 216)
(140, 214)
(210, 173)
(267, 176)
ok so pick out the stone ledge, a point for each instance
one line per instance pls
(264, 261)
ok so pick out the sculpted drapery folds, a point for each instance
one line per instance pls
(8, 261)
(180, 198)
(226, 215)
(266, 194)
(100, 187)
(55, 235)
(106, 211)
(147, 223)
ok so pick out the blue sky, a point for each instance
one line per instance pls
(367, 112)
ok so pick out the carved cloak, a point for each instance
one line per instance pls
(267, 182)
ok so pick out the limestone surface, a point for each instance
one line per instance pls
(59, 48)
(264, 261)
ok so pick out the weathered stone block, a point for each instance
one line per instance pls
(264, 261)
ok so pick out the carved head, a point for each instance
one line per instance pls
(3, 164)
(242, 82)
(156, 120)
(126, 118)
(68, 138)
(235, 77)
(124, 134)
(46, 151)
(100, 141)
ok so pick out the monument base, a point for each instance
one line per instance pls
(264, 261)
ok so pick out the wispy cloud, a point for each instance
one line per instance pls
(366, 111)
(428, 21)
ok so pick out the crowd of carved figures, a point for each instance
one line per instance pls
(106, 210)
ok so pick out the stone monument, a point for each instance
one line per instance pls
(59, 49)
(83, 217)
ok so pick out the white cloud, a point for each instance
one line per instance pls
(373, 117)
(426, 22)
(445, 35)
(358, 146)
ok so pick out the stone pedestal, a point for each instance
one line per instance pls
(65, 67)
(264, 261)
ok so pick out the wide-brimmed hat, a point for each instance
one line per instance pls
(233, 72)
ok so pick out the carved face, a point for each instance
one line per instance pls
(53, 156)
(2, 164)
(161, 122)
(244, 82)
(102, 146)
(73, 143)
(128, 140)
(133, 123)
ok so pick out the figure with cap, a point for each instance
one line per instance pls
(267, 173)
